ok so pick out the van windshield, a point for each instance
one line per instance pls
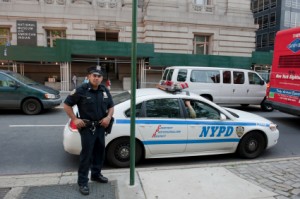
(22, 78)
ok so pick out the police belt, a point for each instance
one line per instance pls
(94, 124)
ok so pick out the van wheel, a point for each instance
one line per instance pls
(31, 107)
(266, 106)
(118, 152)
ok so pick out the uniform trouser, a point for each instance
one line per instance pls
(92, 154)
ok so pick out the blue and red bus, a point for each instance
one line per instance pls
(284, 89)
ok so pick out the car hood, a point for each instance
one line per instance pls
(246, 116)
(45, 88)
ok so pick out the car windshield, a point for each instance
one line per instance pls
(22, 78)
(233, 114)
(121, 97)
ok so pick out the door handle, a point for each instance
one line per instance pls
(233, 90)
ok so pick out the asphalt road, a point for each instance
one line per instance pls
(33, 144)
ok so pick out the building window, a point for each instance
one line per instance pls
(107, 36)
(254, 6)
(260, 5)
(265, 21)
(5, 36)
(271, 38)
(52, 35)
(201, 44)
(258, 41)
(202, 2)
(260, 21)
(273, 3)
(266, 4)
(272, 19)
(264, 40)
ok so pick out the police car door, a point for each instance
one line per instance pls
(207, 133)
(163, 128)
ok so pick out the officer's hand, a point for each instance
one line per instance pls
(79, 123)
(105, 122)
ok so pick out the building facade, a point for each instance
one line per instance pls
(195, 27)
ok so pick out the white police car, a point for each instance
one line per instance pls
(165, 129)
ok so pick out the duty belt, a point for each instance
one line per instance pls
(91, 124)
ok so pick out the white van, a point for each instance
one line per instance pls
(222, 85)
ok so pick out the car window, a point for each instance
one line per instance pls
(238, 77)
(121, 97)
(205, 111)
(6, 81)
(169, 75)
(205, 76)
(138, 111)
(226, 77)
(254, 78)
(168, 108)
(182, 73)
(164, 77)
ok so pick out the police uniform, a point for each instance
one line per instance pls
(92, 106)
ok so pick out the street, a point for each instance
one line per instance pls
(33, 144)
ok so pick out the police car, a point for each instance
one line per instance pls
(164, 128)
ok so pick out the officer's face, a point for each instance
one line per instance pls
(95, 80)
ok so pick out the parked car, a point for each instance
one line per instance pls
(20, 92)
(222, 85)
(164, 128)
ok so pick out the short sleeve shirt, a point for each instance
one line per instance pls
(92, 104)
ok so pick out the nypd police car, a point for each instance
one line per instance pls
(165, 128)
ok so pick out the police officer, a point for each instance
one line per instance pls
(96, 109)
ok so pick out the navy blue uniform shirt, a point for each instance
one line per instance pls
(92, 104)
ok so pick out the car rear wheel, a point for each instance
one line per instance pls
(118, 153)
(31, 107)
(251, 145)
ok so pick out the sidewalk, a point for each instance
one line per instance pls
(275, 178)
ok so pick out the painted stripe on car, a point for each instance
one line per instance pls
(158, 142)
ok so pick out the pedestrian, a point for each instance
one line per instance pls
(96, 108)
(86, 80)
(74, 81)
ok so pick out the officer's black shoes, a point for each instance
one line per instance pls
(99, 178)
(84, 190)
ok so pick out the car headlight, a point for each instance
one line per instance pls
(49, 96)
(273, 127)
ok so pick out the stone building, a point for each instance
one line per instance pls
(178, 27)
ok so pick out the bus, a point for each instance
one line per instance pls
(283, 92)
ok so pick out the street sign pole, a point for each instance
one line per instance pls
(133, 93)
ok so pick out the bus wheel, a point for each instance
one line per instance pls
(266, 106)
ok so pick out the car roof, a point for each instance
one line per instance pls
(155, 91)
(205, 68)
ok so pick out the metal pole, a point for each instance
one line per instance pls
(133, 93)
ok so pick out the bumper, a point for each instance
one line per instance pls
(50, 103)
(285, 108)
(273, 138)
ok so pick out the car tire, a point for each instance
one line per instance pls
(118, 152)
(31, 107)
(251, 145)
(266, 106)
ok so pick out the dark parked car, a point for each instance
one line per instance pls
(20, 92)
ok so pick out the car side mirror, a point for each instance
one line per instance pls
(262, 82)
(222, 117)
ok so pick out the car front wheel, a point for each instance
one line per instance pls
(118, 152)
(251, 145)
(31, 107)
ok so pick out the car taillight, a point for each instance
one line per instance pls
(72, 126)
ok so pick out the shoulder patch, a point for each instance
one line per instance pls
(73, 92)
